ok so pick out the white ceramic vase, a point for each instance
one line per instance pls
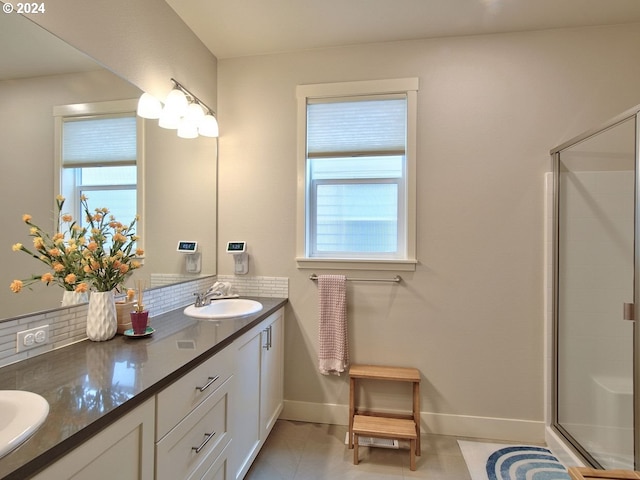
(101, 316)
(69, 297)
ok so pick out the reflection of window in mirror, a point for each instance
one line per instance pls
(98, 155)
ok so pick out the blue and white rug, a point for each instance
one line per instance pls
(496, 461)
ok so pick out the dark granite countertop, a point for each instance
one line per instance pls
(89, 385)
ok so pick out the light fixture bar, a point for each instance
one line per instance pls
(186, 91)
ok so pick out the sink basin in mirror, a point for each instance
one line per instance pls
(224, 308)
(21, 414)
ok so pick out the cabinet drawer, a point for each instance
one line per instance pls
(218, 469)
(176, 455)
(178, 399)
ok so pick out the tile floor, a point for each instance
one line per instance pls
(310, 451)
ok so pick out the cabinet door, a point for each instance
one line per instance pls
(271, 375)
(124, 450)
(246, 405)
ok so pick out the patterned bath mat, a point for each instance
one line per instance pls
(496, 461)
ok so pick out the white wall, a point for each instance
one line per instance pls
(471, 316)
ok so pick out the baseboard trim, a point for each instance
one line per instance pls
(507, 429)
(561, 449)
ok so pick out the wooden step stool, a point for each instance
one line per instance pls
(583, 473)
(378, 425)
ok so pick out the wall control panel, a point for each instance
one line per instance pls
(236, 247)
(240, 257)
(187, 246)
(193, 262)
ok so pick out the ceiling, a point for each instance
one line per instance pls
(233, 28)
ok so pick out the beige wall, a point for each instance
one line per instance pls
(471, 316)
(180, 199)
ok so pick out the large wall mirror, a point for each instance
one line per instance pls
(39, 71)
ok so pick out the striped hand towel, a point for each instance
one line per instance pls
(333, 352)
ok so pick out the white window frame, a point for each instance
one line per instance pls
(406, 86)
(114, 107)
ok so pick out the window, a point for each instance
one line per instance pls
(99, 156)
(357, 162)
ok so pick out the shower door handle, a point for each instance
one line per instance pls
(629, 311)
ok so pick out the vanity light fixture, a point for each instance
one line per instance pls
(182, 111)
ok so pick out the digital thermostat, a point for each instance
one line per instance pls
(187, 246)
(236, 247)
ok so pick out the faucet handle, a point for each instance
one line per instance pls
(199, 299)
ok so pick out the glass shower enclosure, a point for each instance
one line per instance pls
(595, 287)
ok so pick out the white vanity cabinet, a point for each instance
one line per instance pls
(272, 374)
(123, 450)
(193, 421)
(209, 424)
(258, 389)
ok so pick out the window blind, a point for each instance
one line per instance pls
(358, 127)
(99, 141)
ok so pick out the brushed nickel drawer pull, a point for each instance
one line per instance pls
(207, 437)
(208, 384)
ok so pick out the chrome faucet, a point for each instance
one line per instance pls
(201, 298)
(217, 290)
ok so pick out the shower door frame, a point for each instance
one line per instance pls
(555, 156)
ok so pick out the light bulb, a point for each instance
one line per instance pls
(176, 102)
(187, 129)
(149, 106)
(168, 119)
(209, 126)
(194, 114)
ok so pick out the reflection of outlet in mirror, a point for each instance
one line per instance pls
(34, 337)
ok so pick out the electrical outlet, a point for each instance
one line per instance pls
(32, 338)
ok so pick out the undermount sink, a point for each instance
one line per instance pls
(21, 414)
(225, 308)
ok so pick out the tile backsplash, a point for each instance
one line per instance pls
(258, 286)
(68, 325)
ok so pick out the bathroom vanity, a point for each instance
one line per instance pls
(167, 406)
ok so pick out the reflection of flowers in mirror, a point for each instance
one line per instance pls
(109, 255)
(60, 252)
(100, 255)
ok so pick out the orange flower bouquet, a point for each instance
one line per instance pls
(108, 257)
(61, 252)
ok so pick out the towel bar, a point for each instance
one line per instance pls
(396, 279)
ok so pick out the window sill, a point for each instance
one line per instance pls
(357, 264)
